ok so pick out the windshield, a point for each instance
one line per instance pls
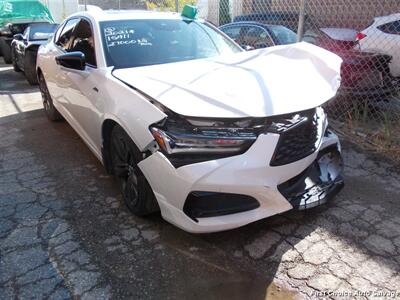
(134, 43)
(284, 35)
(42, 31)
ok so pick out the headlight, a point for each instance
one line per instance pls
(198, 140)
(186, 141)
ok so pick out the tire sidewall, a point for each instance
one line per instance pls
(146, 202)
(30, 67)
(51, 112)
(14, 60)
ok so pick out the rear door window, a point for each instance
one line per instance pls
(256, 37)
(391, 28)
(283, 35)
(232, 31)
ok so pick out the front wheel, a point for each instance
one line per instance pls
(51, 112)
(14, 60)
(136, 191)
(30, 67)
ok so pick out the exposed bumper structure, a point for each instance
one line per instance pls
(320, 182)
(248, 175)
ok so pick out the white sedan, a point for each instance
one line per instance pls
(190, 124)
(383, 36)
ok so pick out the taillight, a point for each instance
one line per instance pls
(360, 36)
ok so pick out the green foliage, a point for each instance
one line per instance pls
(168, 5)
(387, 127)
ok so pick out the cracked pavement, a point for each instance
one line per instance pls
(64, 232)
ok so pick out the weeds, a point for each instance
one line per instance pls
(372, 125)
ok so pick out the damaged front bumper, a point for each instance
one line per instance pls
(305, 183)
(320, 182)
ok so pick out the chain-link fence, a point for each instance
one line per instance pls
(364, 33)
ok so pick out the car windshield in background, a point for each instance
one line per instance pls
(284, 35)
(135, 43)
(42, 31)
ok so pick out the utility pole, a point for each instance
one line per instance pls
(302, 15)
(177, 5)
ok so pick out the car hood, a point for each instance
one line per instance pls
(258, 83)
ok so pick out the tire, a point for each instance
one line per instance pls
(14, 61)
(51, 112)
(30, 67)
(6, 51)
(136, 191)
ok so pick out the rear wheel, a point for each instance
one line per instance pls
(30, 67)
(136, 191)
(51, 112)
(6, 51)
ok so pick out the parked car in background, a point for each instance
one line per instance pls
(383, 36)
(332, 39)
(24, 48)
(259, 35)
(15, 17)
(191, 124)
(287, 19)
(364, 74)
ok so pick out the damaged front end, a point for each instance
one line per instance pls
(186, 140)
(317, 184)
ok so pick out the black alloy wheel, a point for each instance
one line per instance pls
(136, 191)
(51, 112)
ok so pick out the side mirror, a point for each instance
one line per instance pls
(247, 47)
(72, 60)
(18, 37)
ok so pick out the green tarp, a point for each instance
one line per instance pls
(23, 11)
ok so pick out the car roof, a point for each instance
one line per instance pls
(253, 23)
(112, 15)
(36, 24)
(386, 19)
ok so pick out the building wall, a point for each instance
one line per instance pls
(113, 4)
(330, 13)
(322, 13)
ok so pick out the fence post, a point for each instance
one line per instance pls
(302, 14)
(177, 5)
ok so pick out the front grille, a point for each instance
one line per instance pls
(298, 141)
